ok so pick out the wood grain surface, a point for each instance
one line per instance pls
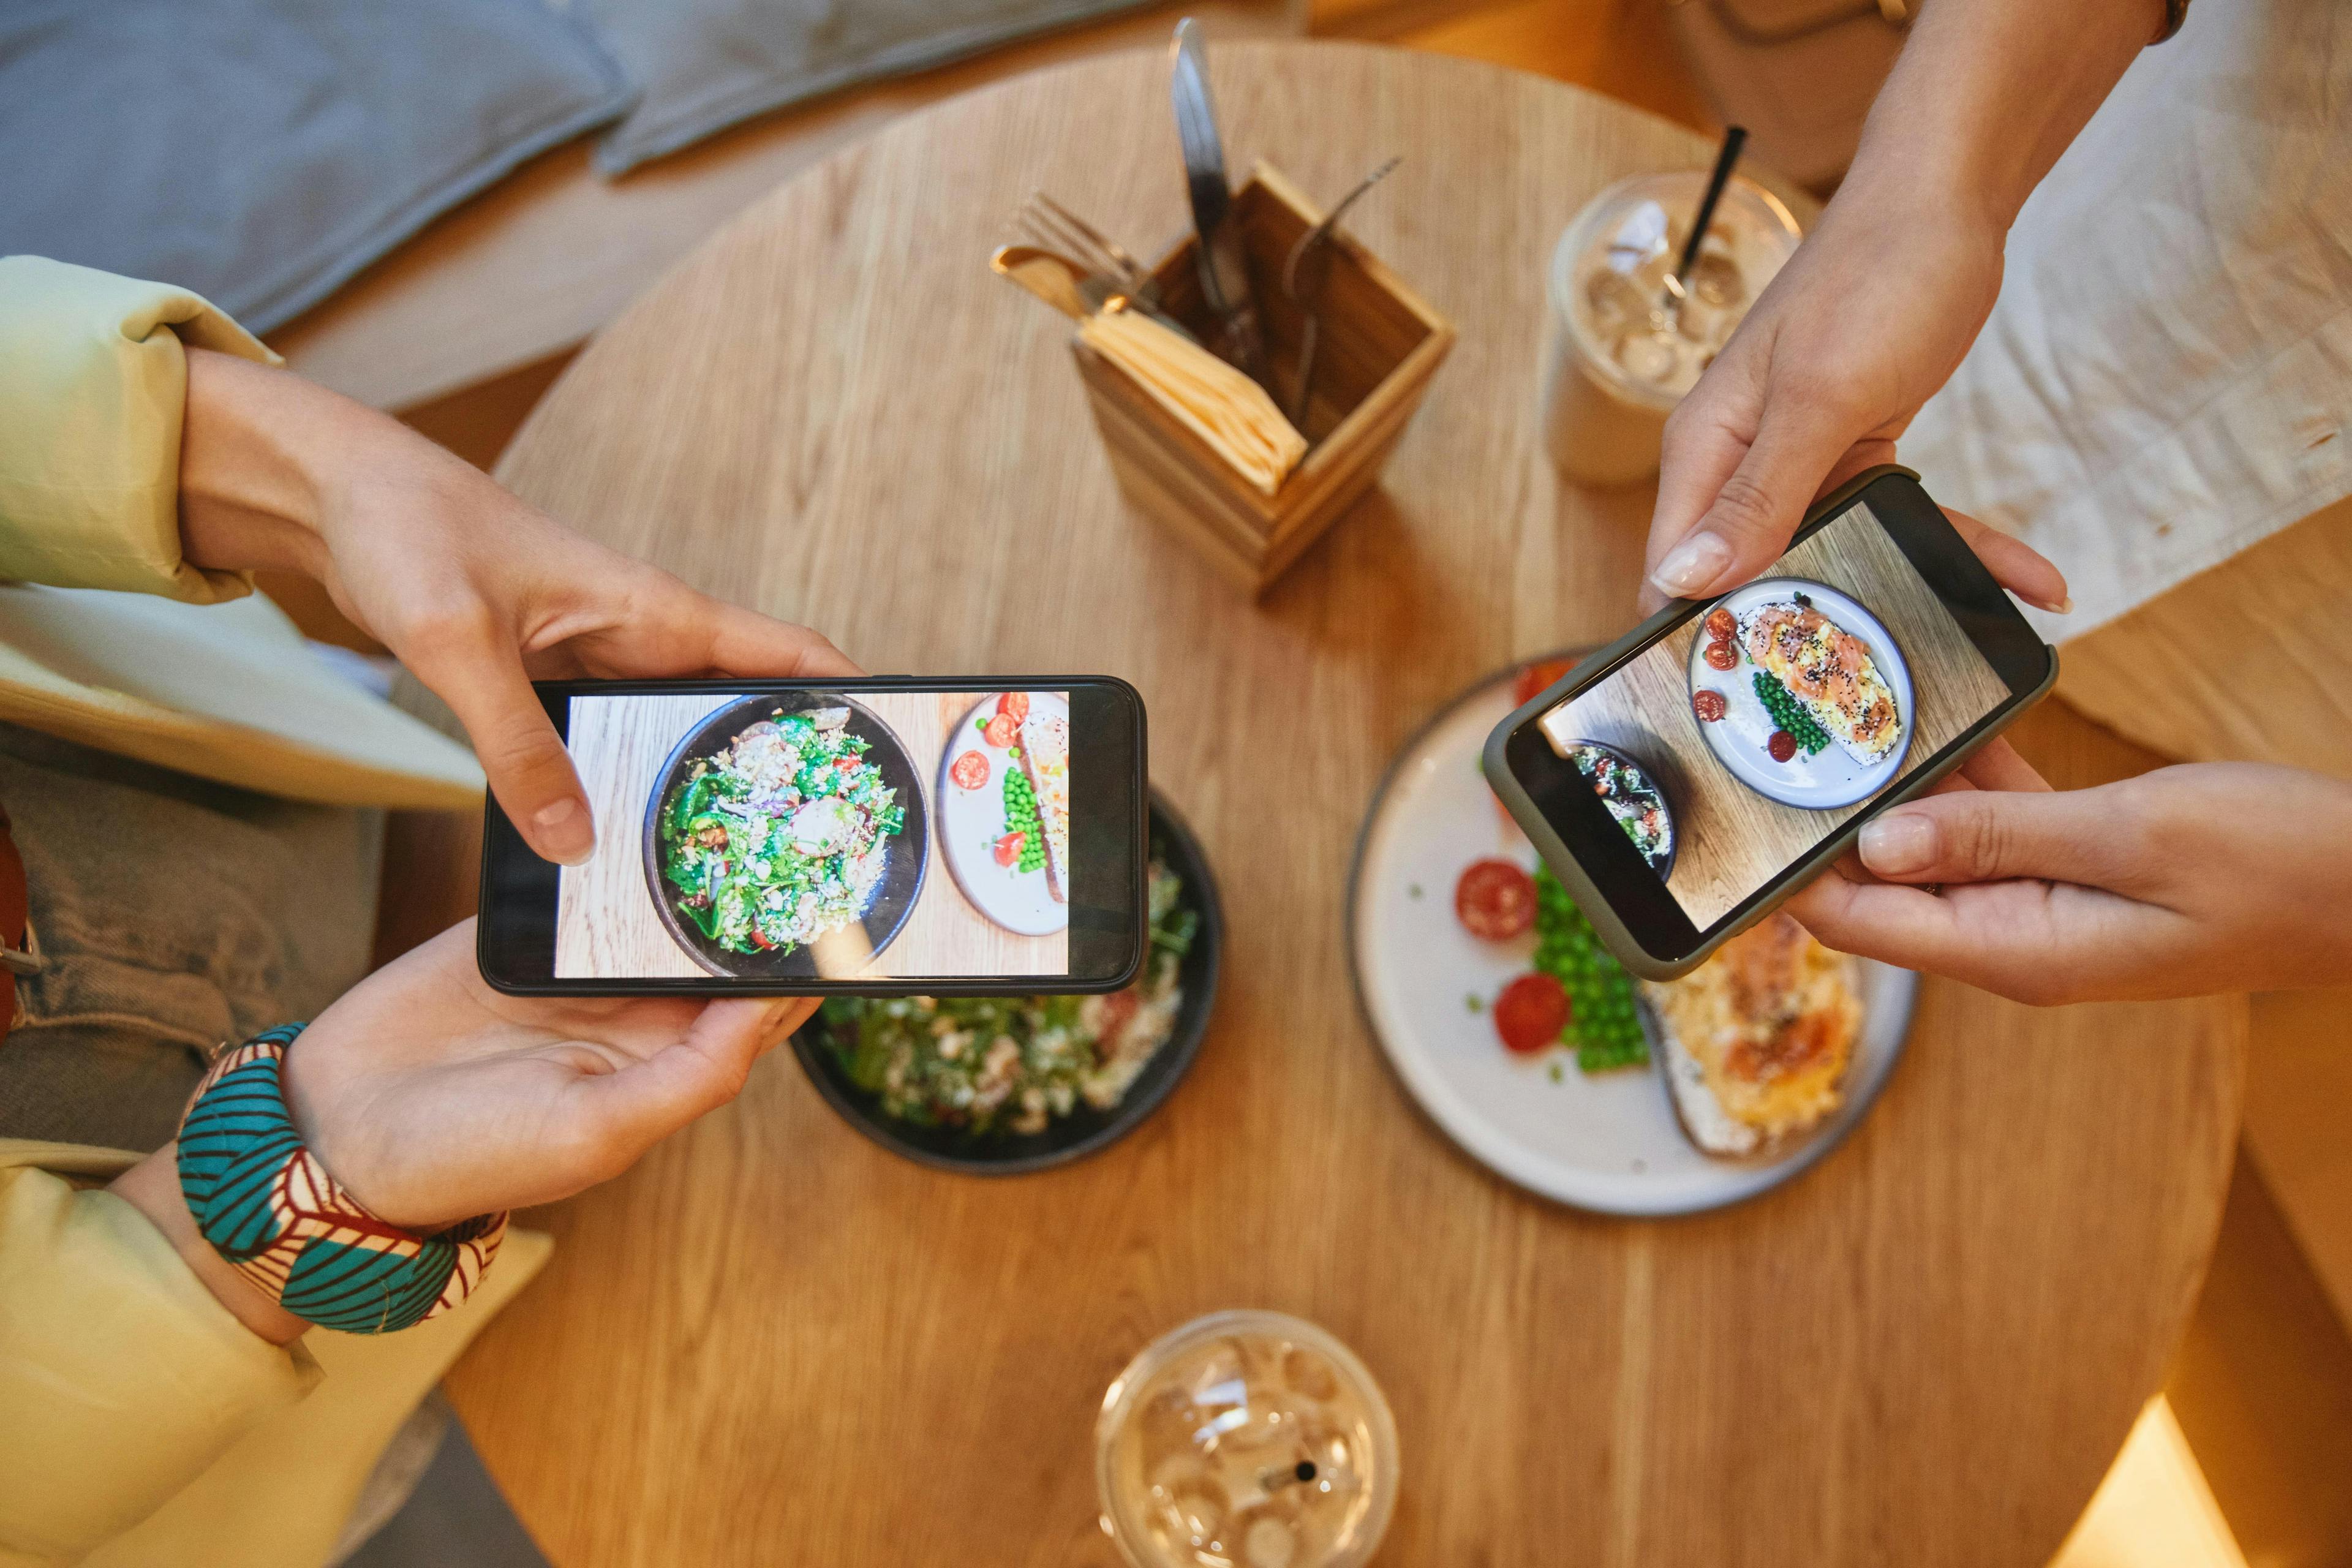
(1732, 839)
(605, 925)
(773, 1342)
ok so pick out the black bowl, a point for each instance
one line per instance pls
(1666, 868)
(1084, 1130)
(902, 874)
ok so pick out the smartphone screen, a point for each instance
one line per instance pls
(1693, 774)
(862, 836)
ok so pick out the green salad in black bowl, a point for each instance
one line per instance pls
(780, 821)
(1006, 1084)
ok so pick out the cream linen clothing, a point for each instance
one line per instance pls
(91, 381)
(2166, 378)
(139, 1423)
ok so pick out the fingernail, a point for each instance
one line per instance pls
(566, 831)
(2061, 607)
(1691, 565)
(1898, 845)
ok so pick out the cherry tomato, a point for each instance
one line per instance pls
(1783, 745)
(1531, 1012)
(1534, 678)
(1013, 705)
(971, 770)
(1494, 899)
(759, 941)
(1002, 729)
(1008, 848)
(1721, 627)
(1709, 705)
(1721, 656)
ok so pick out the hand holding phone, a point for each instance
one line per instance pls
(868, 835)
(1685, 780)
(2149, 887)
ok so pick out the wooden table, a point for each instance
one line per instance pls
(773, 1342)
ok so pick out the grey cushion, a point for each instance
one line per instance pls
(260, 151)
(705, 64)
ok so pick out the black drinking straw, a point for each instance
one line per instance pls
(1733, 140)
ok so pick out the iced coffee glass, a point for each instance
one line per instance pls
(1624, 343)
(1245, 1440)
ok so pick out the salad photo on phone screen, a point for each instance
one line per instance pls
(821, 834)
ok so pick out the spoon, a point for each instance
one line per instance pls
(1303, 278)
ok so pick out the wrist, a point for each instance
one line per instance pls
(152, 1187)
(255, 444)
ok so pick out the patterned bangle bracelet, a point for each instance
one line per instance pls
(268, 1205)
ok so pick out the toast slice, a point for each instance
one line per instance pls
(1758, 1039)
(1046, 755)
(1829, 670)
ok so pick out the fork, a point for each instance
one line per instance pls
(1056, 227)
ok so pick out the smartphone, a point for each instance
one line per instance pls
(1685, 779)
(777, 837)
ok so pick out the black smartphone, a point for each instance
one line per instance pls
(887, 836)
(1689, 777)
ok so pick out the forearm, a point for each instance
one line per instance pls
(1986, 96)
(268, 460)
(152, 1187)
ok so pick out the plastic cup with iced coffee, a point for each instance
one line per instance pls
(1245, 1440)
(1627, 340)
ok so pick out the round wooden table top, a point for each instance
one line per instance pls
(773, 1341)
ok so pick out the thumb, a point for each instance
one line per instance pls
(530, 772)
(1749, 516)
(1991, 835)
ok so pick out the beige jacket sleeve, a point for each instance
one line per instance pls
(123, 1380)
(93, 378)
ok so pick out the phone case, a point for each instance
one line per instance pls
(1614, 931)
(971, 986)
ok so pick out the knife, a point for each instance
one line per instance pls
(1221, 255)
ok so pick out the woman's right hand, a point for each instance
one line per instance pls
(1871, 316)
(475, 591)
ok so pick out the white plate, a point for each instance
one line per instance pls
(972, 820)
(1831, 777)
(1608, 1143)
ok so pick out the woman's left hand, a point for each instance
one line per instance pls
(433, 1098)
(475, 591)
(2184, 881)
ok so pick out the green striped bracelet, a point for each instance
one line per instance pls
(267, 1204)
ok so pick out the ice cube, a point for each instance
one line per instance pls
(1168, 1425)
(1616, 302)
(1652, 357)
(1309, 1374)
(1199, 1512)
(1269, 1543)
(1714, 280)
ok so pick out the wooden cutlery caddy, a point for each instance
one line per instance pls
(1381, 344)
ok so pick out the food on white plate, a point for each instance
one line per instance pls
(1493, 900)
(1635, 802)
(1758, 1039)
(1830, 673)
(1045, 761)
(1015, 1064)
(1576, 994)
